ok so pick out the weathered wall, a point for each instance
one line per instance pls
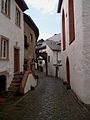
(86, 49)
(30, 52)
(54, 56)
(78, 51)
(9, 29)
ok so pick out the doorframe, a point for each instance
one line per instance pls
(19, 58)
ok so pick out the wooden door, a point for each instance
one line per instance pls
(16, 60)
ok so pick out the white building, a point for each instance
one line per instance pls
(53, 50)
(75, 48)
(11, 40)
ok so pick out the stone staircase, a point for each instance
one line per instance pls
(15, 84)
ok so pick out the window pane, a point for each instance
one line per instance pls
(5, 8)
(2, 4)
(17, 17)
(1, 48)
(4, 49)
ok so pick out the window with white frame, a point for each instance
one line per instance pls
(5, 7)
(4, 48)
(18, 17)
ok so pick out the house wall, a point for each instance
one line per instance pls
(78, 52)
(60, 70)
(30, 52)
(54, 56)
(9, 29)
(51, 68)
(86, 49)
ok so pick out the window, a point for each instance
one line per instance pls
(26, 45)
(31, 37)
(58, 62)
(49, 59)
(5, 7)
(71, 21)
(4, 48)
(18, 17)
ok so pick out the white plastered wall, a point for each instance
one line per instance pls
(78, 52)
(15, 34)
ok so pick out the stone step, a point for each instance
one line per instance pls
(13, 88)
(18, 76)
(15, 84)
(16, 80)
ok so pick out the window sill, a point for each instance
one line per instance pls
(2, 59)
(6, 15)
(18, 25)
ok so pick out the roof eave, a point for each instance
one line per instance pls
(59, 6)
(41, 48)
(22, 4)
(31, 23)
(56, 50)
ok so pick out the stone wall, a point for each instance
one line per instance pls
(29, 53)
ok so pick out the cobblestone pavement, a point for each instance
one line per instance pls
(49, 101)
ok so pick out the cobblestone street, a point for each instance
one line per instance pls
(49, 101)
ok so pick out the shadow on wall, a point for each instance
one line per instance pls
(2, 83)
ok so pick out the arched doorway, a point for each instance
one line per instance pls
(68, 71)
(2, 83)
(44, 56)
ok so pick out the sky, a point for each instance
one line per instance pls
(45, 16)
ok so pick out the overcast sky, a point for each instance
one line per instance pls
(44, 14)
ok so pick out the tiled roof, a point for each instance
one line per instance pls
(55, 37)
(54, 42)
(54, 45)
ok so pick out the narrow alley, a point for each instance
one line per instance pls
(50, 100)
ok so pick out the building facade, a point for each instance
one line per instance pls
(75, 46)
(53, 50)
(31, 33)
(11, 40)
